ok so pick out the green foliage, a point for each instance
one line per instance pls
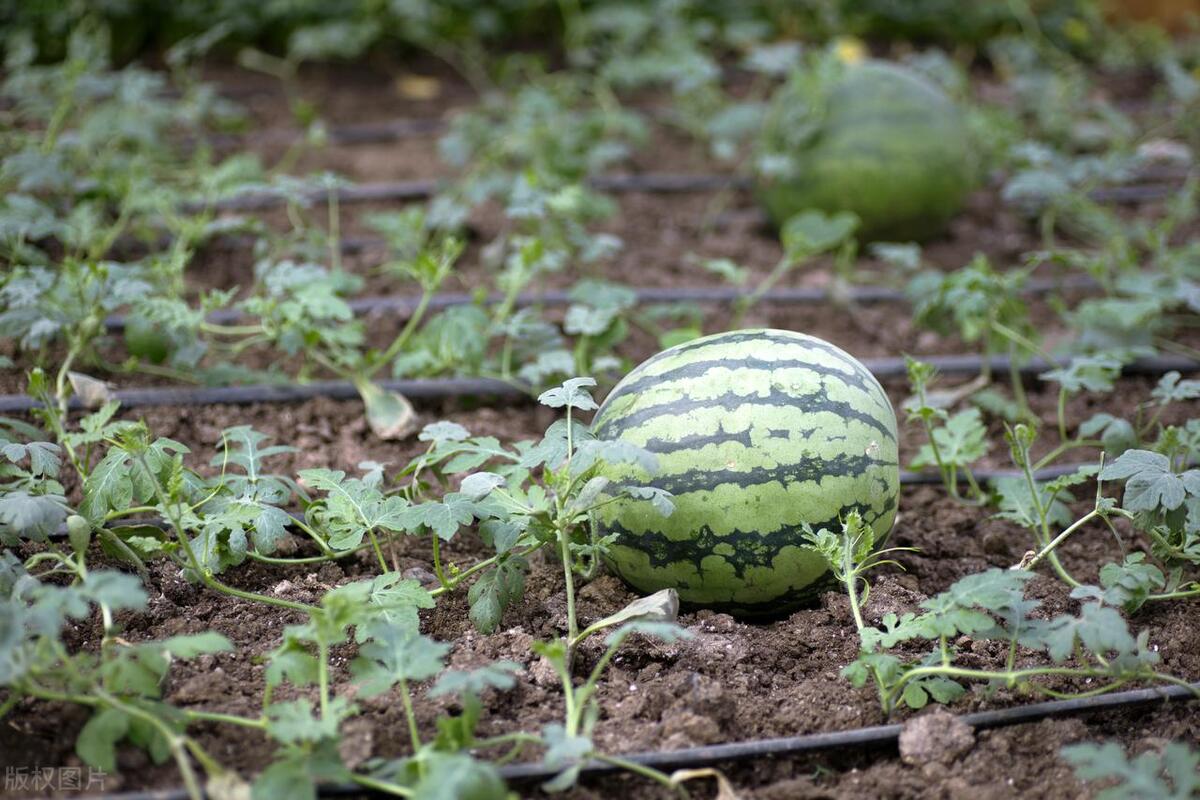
(961, 441)
(1172, 774)
(992, 606)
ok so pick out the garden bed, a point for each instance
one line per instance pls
(1055, 294)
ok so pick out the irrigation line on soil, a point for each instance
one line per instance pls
(405, 304)
(650, 182)
(394, 130)
(450, 388)
(875, 736)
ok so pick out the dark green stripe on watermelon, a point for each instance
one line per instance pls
(613, 428)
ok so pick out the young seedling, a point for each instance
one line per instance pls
(569, 745)
(953, 443)
(1172, 774)
(804, 237)
(990, 605)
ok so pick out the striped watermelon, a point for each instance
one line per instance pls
(756, 432)
(890, 147)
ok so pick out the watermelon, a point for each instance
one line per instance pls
(876, 139)
(756, 432)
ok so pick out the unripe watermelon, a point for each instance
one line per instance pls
(756, 433)
(146, 340)
(878, 140)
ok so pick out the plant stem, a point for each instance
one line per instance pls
(437, 561)
(201, 571)
(1009, 677)
(1063, 447)
(402, 338)
(1178, 595)
(176, 742)
(1036, 496)
(410, 716)
(1018, 386)
(636, 768)
(378, 550)
(196, 715)
(568, 574)
(381, 786)
(323, 676)
(1062, 415)
(1057, 540)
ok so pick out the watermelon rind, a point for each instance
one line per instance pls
(889, 146)
(756, 432)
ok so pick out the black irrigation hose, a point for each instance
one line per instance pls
(448, 388)
(394, 130)
(433, 389)
(657, 183)
(876, 736)
(405, 304)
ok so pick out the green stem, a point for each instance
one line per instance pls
(1018, 385)
(110, 516)
(402, 338)
(1009, 677)
(376, 785)
(1178, 595)
(636, 768)
(1062, 537)
(454, 582)
(437, 562)
(378, 550)
(323, 676)
(290, 561)
(175, 742)
(1064, 447)
(745, 303)
(202, 572)
(1062, 415)
(231, 330)
(335, 228)
(565, 554)
(196, 715)
(410, 716)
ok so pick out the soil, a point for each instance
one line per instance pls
(732, 680)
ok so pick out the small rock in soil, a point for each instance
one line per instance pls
(935, 738)
(542, 672)
(688, 729)
(420, 575)
(358, 741)
(997, 542)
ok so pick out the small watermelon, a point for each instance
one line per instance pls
(873, 138)
(756, 433)
(146, 340)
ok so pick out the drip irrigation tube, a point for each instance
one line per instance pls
(873, 737)
(447, 388)
(650, 182)
(433, 389)
(405, 304)
(393, 130)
